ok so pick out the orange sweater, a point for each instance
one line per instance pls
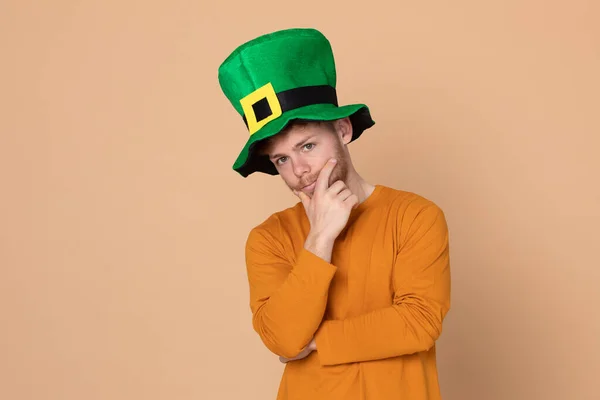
(375, 311)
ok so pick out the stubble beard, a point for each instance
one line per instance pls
(339, 173)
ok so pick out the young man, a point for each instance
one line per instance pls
(349, 287)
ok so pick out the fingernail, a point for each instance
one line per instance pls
(333, 161)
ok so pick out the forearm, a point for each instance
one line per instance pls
(289, 318)
(398, 330)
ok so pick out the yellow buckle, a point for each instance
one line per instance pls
(265, 92)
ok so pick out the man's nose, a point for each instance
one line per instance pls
(300, 167)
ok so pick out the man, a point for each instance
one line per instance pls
(350, 286)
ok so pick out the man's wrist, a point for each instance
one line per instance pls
(320, 246)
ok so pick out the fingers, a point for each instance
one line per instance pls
(303, 198)
(340, 191)
(303, 354)
(336, 187)
(344, 194)
(352, 201)
(324, 174)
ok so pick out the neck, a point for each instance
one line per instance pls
(358, 185)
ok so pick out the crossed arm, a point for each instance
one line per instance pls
(288, 302)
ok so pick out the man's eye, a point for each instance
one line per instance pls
(281, 159)
(309, 146)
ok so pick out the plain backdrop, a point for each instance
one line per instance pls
(122, 224)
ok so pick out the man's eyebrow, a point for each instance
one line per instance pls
(299, 144)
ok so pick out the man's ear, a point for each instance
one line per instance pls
(344, 129)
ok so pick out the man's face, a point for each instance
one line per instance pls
(300, 153)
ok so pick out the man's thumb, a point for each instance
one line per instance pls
(304, 198)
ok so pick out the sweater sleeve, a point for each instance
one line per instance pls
(421, 281)
(287, 300)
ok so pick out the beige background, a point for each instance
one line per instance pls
(122, 272)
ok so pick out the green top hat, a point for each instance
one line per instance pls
(282, 76)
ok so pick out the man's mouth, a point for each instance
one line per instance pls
(309, 187)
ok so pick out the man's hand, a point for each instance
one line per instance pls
(329, 208)
(312, 346)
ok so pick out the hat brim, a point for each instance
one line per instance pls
(248, 162)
